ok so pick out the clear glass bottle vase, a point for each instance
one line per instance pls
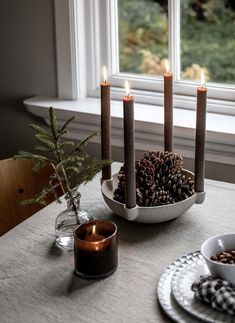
(68, 220)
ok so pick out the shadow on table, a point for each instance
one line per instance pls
(137, 232)
(68, 284)
(54, 251)
(163, 314)
(77, 283)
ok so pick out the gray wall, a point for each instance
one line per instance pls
(27, 67)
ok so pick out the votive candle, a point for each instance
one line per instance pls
(95, 249)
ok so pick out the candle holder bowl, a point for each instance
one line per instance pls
(150, 214)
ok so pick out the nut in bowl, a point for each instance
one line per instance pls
(218, 252)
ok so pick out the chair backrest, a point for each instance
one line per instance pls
(19, 182)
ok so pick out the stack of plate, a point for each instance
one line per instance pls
(176, 297)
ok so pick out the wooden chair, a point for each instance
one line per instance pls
(18, 182)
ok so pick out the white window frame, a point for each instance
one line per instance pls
(83, 46)
(148, 89)
(92, 27)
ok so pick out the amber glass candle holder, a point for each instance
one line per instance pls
(96, 249)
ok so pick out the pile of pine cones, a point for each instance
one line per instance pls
(159, 180)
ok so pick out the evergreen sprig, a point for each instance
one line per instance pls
(71, 163)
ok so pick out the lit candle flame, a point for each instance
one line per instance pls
(202, 79)
(93, 229)
(167, 65)
(105, 77)
(127, 87)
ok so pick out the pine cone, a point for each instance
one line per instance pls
(163, 197)
(159, 180)
(146, 196)
(145, 173)
(180, 186)
(145, 183)
(119, 193)
(164, 161)
(157, 196)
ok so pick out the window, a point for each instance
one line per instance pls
(207, 39)
(89, 35)
(143, 36)
(163, 29)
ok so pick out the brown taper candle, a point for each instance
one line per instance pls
(129, 149)
(168, 110)
(200, 137)
(105, 125)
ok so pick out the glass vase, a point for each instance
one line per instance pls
(68, 220)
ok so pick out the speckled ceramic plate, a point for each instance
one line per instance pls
(190, 268)
(166, 299)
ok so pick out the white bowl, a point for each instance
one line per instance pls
(217, 244)
(154, 214)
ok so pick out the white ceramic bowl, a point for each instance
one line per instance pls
(217, 244)
(154, 214)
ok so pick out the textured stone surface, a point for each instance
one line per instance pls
(37, 283)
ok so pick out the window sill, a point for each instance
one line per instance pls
(220, 133)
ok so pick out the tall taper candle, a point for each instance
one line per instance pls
(200, 136)
(129, 148)
(168, 109)
(105, 125)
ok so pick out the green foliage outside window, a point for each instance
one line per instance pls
(207, 37)
(143, 28)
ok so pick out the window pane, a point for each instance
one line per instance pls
(143, 36)
(208, 39)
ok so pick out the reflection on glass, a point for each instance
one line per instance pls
(143, 36)
(208, 40)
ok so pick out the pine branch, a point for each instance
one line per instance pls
(72, 159)
(48, 143)
(41, 197)
(66, 143)
(93, 168)
(40, 130)
(74, 169)
(53, 123)
(84, 142)
(43, 149)
(60, 134)
(86, 173)
(33, 200)
(70, 169)
(27, 155)
(39, 165)
(61, 131)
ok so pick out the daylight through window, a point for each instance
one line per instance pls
(207, 38)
